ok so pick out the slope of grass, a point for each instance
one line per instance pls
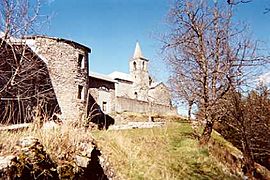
(170, 152)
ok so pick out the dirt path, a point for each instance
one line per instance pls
(135, 125)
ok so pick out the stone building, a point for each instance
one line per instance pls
(67, 63)
(55, 71)
(133, 92)
(60, 64)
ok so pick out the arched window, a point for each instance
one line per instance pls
(134, 65)
(143, 66)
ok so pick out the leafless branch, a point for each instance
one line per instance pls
(208, 55)
(235, 2)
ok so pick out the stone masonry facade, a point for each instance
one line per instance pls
(76, 90)
(67, 63)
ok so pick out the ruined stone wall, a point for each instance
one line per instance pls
(127, 100)
(124, 89)
(102, 96)
(106, 100)
(160, 95)
(69, 77)
(131, 105)
(103, 92)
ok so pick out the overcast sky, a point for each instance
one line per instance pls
(112, 27)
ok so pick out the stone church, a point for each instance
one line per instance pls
(133, 92)
(71, 88)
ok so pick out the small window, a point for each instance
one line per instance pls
(136, 95)
(80, 92)
(81, 61)
(143, 65)
(150, 81)
(104, 106)
(134, 65)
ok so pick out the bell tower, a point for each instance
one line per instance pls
(138, 67)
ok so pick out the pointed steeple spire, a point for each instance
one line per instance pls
(138, 51)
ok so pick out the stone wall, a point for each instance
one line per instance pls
(67, 63)
(103, 92)
(104, 98)
(160, 95)
(131, 105)
(124, 89)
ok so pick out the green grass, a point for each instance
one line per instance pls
(170, 152)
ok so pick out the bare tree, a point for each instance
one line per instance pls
(246, 125)
(207, 50)
(19, 17)
(235, 2)
(24, 78)
(183, 91)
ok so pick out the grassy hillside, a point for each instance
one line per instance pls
(171, 152)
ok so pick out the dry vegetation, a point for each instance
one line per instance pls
(171, 152)
(61, 144)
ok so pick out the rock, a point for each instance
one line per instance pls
(50, 125)
(85, 149)
(82, 161)
(31, 161)
(5, 166)
(27, 142)
(5, 162)
(103, 160)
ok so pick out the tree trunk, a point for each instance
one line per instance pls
(205, 137)
(249, 166)
(189, 110)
